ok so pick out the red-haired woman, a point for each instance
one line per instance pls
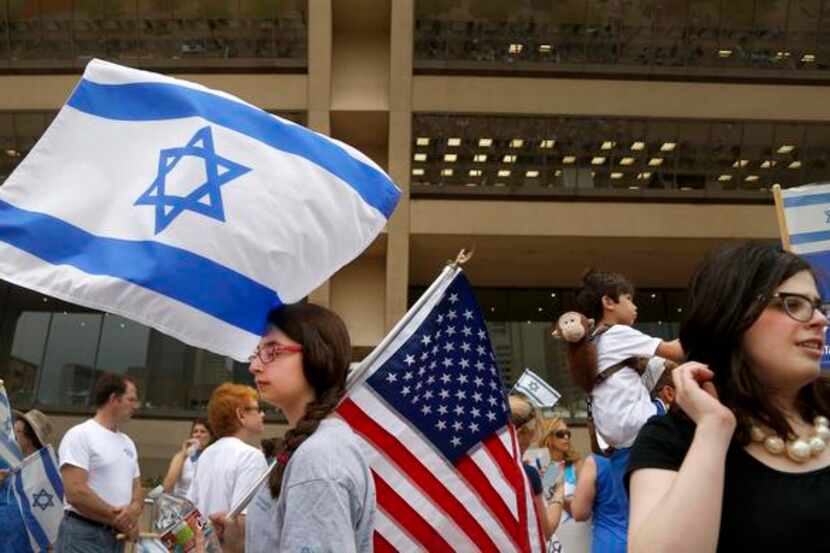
(230, 466)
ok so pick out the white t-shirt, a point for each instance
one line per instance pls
(621, 405)
(109, 458)
(185, 478)
(225, 472)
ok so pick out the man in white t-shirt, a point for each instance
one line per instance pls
(229, 466)
(99, 468)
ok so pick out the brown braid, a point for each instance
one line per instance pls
(326, 356)
(315, 412)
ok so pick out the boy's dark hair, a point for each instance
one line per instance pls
(595, 285)
(728, 292)
(108, 384)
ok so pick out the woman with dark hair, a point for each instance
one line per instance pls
(183, 465)
(746, 466)
(320, 494)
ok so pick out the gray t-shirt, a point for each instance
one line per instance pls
(327, 503)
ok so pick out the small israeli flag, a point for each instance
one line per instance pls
(10, 454)
(537, 390)
(806, 214)
(38, 490)
(184, 208)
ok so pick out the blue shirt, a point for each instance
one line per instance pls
(13, 535)
(610, 519)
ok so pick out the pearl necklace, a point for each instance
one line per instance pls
(799, 450)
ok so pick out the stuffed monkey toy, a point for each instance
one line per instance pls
(575, 328)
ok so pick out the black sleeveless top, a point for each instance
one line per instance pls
(764, 509)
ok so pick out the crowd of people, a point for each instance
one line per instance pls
(727, 450)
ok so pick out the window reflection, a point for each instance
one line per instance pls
(567, 155)
(704, 37)
(68, 371)
(51, 354)
(150, 33)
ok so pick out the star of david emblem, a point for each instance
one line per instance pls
(42, 500)
(206, 198)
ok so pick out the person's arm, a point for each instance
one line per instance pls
(582, 502)
(554, 509)
(80, 495)
(671, 350)
(174, 471)
(128, 515)
(681, 511)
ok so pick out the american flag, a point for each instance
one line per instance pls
(434, 421)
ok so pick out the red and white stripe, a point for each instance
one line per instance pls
(482, 503)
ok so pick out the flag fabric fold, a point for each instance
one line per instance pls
(38, 490)
(433, 418)
(184, 208)
(536, 389)
(10, 452)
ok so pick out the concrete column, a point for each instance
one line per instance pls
(319, 92)
(400, 155)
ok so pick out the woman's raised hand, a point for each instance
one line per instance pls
(697, 396)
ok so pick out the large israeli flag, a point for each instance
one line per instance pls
(38, 490)
(807, 216)
(10, 454)
(184, 208)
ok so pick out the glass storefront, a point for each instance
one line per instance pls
(51, 354)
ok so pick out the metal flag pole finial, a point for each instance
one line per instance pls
(464, 256)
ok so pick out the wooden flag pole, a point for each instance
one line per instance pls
(782, 220)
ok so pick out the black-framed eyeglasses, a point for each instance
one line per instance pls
(562, 434)
(800, 307)
(272, 351)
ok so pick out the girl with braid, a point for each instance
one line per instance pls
(320, 496)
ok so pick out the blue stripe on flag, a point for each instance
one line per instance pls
(32, 525)
(808, 237)
(173, 272)
(9, 450)
(51, 471)
(160, 101)
(802, 201)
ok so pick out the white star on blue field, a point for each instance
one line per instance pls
(168, 207)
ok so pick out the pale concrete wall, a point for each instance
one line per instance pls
(358, 295)
(269, 92)
(620, 98)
